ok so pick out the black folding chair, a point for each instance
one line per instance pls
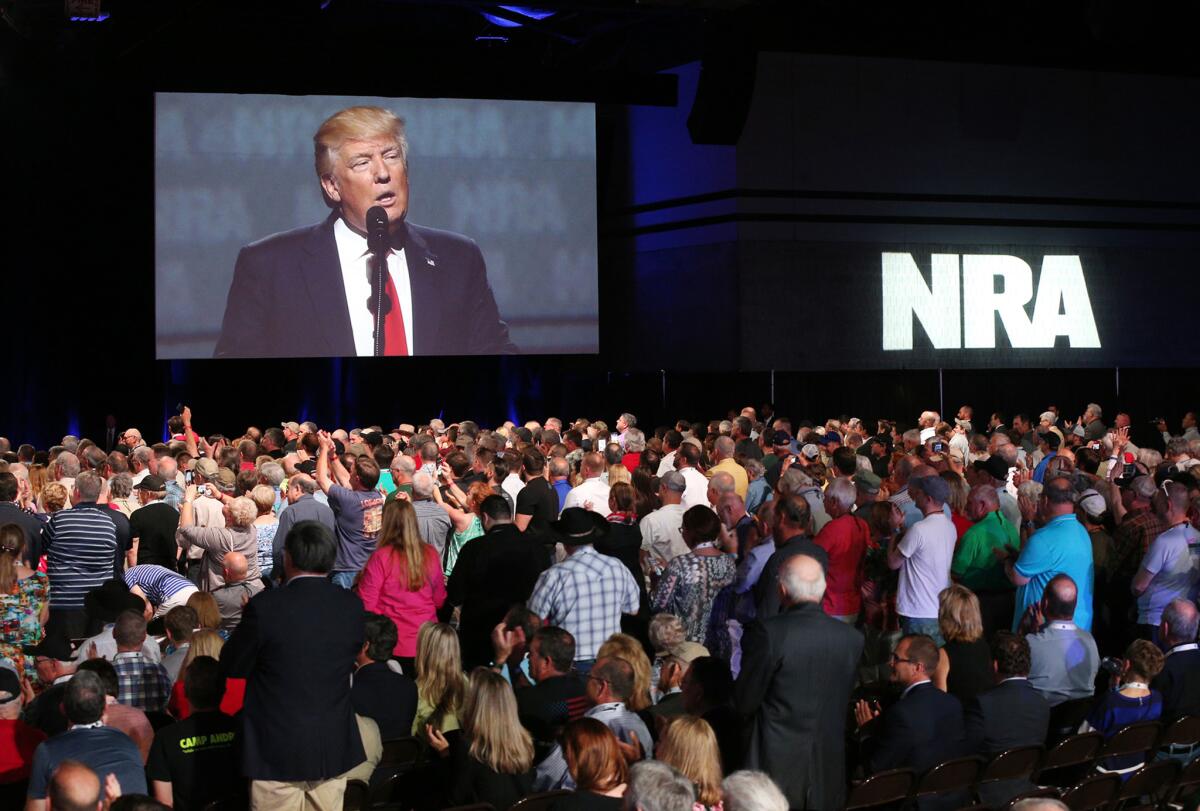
(1009, 773)
(1181, 737)
(1068, 759)
(1094, 792)
(537, 802)
(884, 788)
(1135, 739)
(401, 757)
(1066, 718)
(1154, 780)
(1187, 782)
(949, 776)
(474, 807)
(1047, 793)
(357, 796)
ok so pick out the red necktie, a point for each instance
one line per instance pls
(394, 341)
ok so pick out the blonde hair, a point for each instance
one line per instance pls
(12, 540)
(399, 533)
(355, 124)
(263, 498)
(666, 631)
(489, 720)
(243, 511)
(439, 670)
(618, 474)
(958, 614)
(53, 497)
(630, 651)
(38, 478)
(205, 606)
(690, 745)
(204, 643)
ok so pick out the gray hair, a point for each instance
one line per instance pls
(724, 446)
(794, 481)
(635, 440)
(986, 495)
(68, 464)
(1039, 804)
(655, 786)
(121, 485)
(1183, 619)
(304, 483)
(142, 455)
(404, 464)
(911, 435)
(722, 482)
(752, 791)
(1031, 490)
(89, 484)
(843, 491)
(630, 420)
(862, 464)
(1178, 446)
(666, 631)
(1149, 457)
(798, 587)
(422, 484)
(1095, 409)
(1008, 453)
(272, 472)
(559, 466)
(70, 442)
(243, 511)
(754, 469)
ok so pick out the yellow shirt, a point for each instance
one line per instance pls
(741, 482)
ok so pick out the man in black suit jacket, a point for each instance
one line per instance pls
(923, 728)
(305, 292)
(798, 668)
(381, 693)
(1179, 680)
(296, 647)
(1007, 716)
(492, 573)
(12, 513)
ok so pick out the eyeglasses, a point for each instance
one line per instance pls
(896, 659)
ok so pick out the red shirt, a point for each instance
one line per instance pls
(845, 539)
(235, 696)
(961, 523)
(17, 742)
(631, 461)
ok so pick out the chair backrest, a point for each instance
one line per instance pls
(537, 802)
(1029, 795)
(891, 786)
(401, 752)
(950, 775)
(1012, 764)
(1134, 739)
(1094, 792)
(1066, 717)
(1183, 731)
(1189, 779)
(356, 796)
(1081, 748)
(1153, 779)
(474, 807)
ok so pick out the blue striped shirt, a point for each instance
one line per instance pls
(80, 545)
(158, 583)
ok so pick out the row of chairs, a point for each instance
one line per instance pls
(1064, 770)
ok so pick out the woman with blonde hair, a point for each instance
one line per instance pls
(265, 526)
(965, 661)
(690, 745)
(619, 474)
(403, 579)
(624, 646)
(595, 762)
(492, 761)
(440, 680)
(205, 606)
(24, 603)
(37, 479)
(52, 498)
(205, 643)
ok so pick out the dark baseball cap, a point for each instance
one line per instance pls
(782, 438)
(933, 486)
(994, 466)
(152, 483)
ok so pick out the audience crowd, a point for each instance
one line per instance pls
(747, 614)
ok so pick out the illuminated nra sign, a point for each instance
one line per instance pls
(958, 308)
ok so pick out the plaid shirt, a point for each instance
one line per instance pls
(1132, 540)
(585, 595)
(143, 684)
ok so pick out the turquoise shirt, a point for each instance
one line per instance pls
(1062, 546)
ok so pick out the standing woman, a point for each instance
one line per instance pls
(623, 541)
(265, 526)
(464, 516)
(24, 603)
(691, 581)
(403, 579)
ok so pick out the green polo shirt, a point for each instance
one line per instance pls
(974, 564)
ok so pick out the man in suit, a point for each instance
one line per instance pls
(923, 728)
(1009, 715)
(381, 692)
(1179, 680)
(305, 292)
(296, 646)
(798, 668)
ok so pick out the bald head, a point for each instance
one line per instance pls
(592, 465)
(73, 787)
(1059, 598)
(801, 580)
(1180, 622)
(236, 567)
(720, 484)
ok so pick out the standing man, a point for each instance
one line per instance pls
(1171, 567)
(296, 646)
(798, 668)
(592, 490)
(153, 525)
(923, 554)
(357, 506)
(662, 533)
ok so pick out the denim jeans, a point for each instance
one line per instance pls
(922, 625)
(344, 579)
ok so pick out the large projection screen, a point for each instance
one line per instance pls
(517, 179)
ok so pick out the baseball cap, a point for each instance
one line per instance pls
(933, 486)
(782, 438)
(152, 483)
(867, 481)
(406, 428)
(1092, 503)
(206, 467)
(438, 426)
(830, 437)
(810, 451)
(225, 479)
(293, 426)
(687, 651)
(674, 481)
(10, 682)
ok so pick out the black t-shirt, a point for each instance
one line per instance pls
(200, 756)
(538, 500)
(154, 526)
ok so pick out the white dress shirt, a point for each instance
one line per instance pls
(593, 490)
(697, 488)
(356, 276)
(667, 464)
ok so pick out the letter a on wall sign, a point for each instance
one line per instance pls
(1062, 282)
(936, 305)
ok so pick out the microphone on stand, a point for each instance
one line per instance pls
(378, 244)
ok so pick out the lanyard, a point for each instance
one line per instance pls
(705, 545)
(1134, 685)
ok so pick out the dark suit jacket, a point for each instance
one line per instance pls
(1009, 715)
(296, 647)
(766, 590)
(493, 571)
(387, 697)
(918, 732)
(798, 668)
(288, 300)
(1179, 683)
(10, 513)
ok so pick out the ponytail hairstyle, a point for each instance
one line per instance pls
(12, 541)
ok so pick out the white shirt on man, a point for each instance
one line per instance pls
(661, 534)
(697, 488)
(589, 490)
(927, 547)
(666, 465)
(512, 485)
(356, 277)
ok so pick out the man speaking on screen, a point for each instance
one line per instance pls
(308, 292)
